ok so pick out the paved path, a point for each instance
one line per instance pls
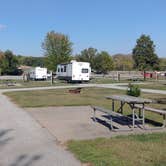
(23, 142)
(119, 86)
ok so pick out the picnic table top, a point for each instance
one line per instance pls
(129, 99)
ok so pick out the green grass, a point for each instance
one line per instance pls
(159, 85)
(62, 97)
(154, 85)
(103, 80)
(30, 84)
(108, 80)
(133, 150)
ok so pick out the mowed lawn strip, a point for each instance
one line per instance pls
(133, 150)
(157, 85)
(62, 97)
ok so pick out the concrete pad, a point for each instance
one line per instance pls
(74, 123)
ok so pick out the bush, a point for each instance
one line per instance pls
(133, 90)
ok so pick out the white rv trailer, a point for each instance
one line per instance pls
(74, 71)
(38, 73)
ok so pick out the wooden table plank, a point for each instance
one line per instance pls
(129, 99)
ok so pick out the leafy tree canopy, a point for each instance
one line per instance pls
(103, 62)
(88, 55)
(123, 62)
(162, 64)
(8, 63)
(144, 54)
(58, 49)
(31, 61)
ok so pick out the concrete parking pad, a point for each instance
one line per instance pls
(76, 123)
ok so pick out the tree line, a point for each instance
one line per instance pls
(57, 49)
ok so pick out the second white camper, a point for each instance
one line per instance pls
(74, 71)
(38, 73)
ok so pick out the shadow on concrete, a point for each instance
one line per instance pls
(121, 120)
(26, 160)
(4, 138)
(103, 122)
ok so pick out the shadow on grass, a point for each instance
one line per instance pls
(153, 123)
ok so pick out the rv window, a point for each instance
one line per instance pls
(84, 70)
(58, 69)
(64, 68)
(61, 69)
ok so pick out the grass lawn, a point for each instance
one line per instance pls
(108, 80)
(154, 85)
(159, 85)
(62, 97)
(133, 150)
(22, 84)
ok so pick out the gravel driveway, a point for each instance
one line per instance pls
(23, 142)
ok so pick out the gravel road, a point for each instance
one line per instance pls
(23, 142)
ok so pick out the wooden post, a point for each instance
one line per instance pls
(121, 107)
(113, 107)
(156, 76)
(52, 78)
(144, 73)
(133, 111)
(94, 115)
(143, 115)
(118, 76)
(164, 118)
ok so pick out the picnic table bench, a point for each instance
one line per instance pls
(111, 114)
(158, 111)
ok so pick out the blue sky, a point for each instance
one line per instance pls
(111, 25)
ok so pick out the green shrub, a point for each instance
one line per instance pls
(133, 90)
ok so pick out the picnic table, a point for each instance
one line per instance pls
(132, 102)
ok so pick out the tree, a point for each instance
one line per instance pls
(88, 55)
(8, 63)
(162, 64)
(30, 61)
(1, 61)
(144, 54)
(123, 62)
(103, 62)
(58, 49)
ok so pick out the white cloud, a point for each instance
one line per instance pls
(2, 27)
